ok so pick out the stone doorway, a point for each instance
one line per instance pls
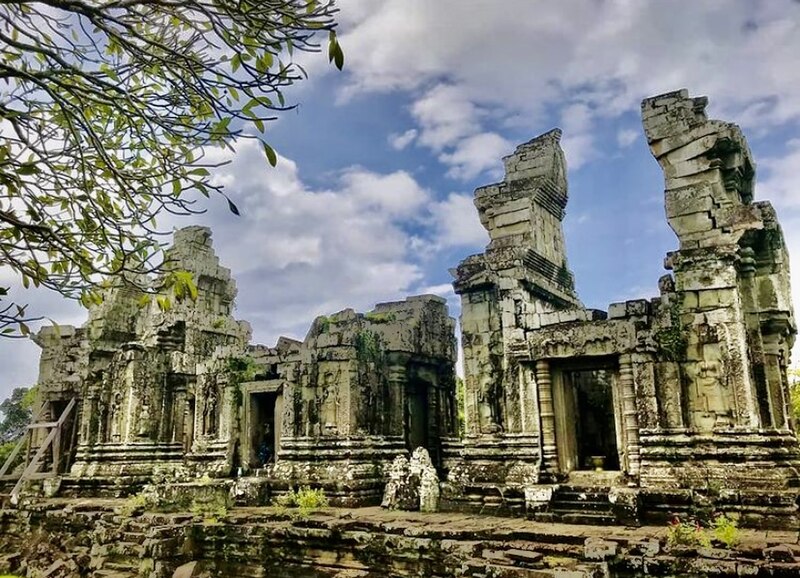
(64, 446)
(266, 410)
(416, 415)
(587, 418)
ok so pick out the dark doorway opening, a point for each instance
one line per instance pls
(595, 428)
(65, 443)
(416, 415)
(265, 418)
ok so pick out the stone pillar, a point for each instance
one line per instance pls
(178, 416)
(90, 413)
(527, 397)
(759, 392)
(397, 396)
(547, 415)
(774, 375)
(629, 414)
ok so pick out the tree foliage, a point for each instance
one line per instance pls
(16, 411)
(107, 111)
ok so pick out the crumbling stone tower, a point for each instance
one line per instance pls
(521, 278)
(732, 302)
(658, 406)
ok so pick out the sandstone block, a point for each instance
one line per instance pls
(599, 549)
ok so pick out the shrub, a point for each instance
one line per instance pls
(305, 500)
(726, 530)
(689, 533)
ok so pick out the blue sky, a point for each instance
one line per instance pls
(372, 196)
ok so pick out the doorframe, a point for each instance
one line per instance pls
(249, 388)
(562, 424)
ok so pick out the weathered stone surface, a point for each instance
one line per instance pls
(258, 542)
(413, 484)
(400, 492)
(695, 379)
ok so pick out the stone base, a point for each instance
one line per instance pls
(113, 469)
(490, 473)
(351, 471)
(213, 458)
(726, 459)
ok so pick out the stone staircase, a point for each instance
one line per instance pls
(574, 504)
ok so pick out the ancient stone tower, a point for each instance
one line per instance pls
(664, 401)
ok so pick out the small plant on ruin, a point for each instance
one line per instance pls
(374, 317)
(305, 500)
(211, 509)
(368, 345)
(688, 533)
(671, 340)
(726, 530)
(138, 503)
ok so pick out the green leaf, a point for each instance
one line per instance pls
(233, 208)
(270, 152)
(28, 169)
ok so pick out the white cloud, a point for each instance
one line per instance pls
(578, 149)
(456, 222)
(476, 154)
(626, 137)
(782, 182)
(400, 141)
(472, 68)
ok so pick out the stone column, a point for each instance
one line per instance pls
(178, 415)
(90, 413)
(547, 415)
(527, 400)
(629, 414)
(759, 398)
(773, 373)
(397, 396)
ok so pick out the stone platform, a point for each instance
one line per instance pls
(71, 538)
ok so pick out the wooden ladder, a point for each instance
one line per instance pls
(53, 439)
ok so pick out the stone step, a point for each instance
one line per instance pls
(134, 537)
(580, 506)
(588, 494)
(586, 518)
(114, 574)
(127, 566)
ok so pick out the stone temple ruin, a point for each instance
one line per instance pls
(654, 407)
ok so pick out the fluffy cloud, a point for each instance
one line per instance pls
(400, 141)
(456, 222)
(626, 137)
(583, 58)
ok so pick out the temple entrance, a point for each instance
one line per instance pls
(266, 410)
(586, 419)
(416, 415)
(64, 445)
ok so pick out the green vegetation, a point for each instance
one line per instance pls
(374, 317)
(17, 414)
(794, 394)
(726, 530)
(686, 533)
(723, 529)
(672, 341)
(240, 370)
(112, 110)
(305, 500)
(368, 345)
